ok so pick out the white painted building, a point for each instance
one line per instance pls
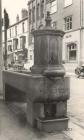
(17, 40)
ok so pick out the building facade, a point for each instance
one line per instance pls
(67, 15)
(17, 41)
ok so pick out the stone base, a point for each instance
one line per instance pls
(52, 125)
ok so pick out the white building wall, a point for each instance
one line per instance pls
(69, 38)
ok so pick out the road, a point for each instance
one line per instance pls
(13, 124)
(76, 108)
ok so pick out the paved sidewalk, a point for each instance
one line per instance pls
(13, 125)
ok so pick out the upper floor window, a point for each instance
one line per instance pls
(31, 38)
(9, 45)
(22, 42)
(38, 15)
(10, 33)
(68, 23)
(15, 30)
(10, 48)
(15, 44)
(33, 14)
(42, 9)
(53, 6)
(30, 16)
(67, 3)
(23, 27)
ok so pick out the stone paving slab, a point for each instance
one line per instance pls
(13, 125)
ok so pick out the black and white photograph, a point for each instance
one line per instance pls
(41, 69)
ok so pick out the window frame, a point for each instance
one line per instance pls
(15, 44)
(68, 24)
(22, 42)
(70, 50)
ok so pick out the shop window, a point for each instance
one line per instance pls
(53, 6)
(68, 23)
(67, 3)
(72, 52)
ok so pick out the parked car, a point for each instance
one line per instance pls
(79, 71)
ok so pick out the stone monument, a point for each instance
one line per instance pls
(52, 108)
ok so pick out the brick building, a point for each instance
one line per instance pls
(66, 15)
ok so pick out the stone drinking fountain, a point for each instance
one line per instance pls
(46, 88)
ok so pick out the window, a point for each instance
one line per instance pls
(38, 16)
(30, 57)
(23, 27)
(42, 9)
(68, 23)
(54, 25)
(72, 51)
(53, 6)
(67, 3)
(30, 16)
(33, 14)
(15, 44)
(10, 33)
(22, 42)
(31, 38)
(10, 48)
(15, 30)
